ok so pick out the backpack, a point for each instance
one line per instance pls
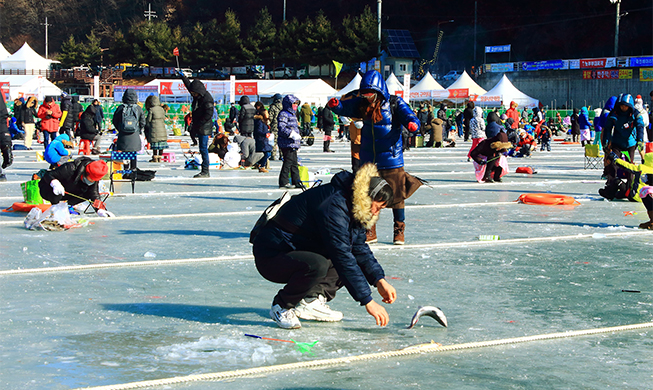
(130, 123)
(269, 214)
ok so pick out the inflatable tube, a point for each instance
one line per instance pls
(26, 207)
(548, 199)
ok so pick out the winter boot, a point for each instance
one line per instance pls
(370, 235)
(202, 174)
(326, 147)
(399, 229)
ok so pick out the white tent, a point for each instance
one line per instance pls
(393, 84)
(353, 85)
(25, 86)
(466, 82)
(3, 52)
(505, 92)
(422, 90)
(25, 59)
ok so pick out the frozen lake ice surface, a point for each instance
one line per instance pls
(168, 288)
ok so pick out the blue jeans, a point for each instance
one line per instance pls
(48, 137)
(204, 151)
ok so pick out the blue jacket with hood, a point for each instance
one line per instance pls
(599, 122)
(381, 142)
(56, 149)
(287, 123)
(624, 128)
(584, 119)
(331, 220)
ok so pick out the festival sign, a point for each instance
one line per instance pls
(176, 88)
(497, 49)
(439, 94)
(608, 74)
(488, 99)
(592, 63)
(641, 61)
(574, 64)
(501, 68)
(543, 65)
(143, 91)
(645, 74)
(246, 88)
(460, 93)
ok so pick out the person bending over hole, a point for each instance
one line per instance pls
(315, 244)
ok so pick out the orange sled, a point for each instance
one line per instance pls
(548, 199)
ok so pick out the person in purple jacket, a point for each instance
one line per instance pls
(289, 142)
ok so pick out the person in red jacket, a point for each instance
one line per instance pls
(514, 114)
(49, 113)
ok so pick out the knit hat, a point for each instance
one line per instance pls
(96, 170)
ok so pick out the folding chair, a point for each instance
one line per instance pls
(593, 157)
(115, 167)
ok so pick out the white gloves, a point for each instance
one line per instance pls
(57, 188)
(295, 136)
(105, 214)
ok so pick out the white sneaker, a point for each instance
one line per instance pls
(284, 318)
(317, 310)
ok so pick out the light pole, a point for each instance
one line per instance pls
(616, 27)
(378, 20)
(284, 10)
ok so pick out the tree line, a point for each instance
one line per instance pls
(313, 41)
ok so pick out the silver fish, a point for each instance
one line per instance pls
(431, 311)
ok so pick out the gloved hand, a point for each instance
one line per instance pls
(57, 188)
(412, 127)
(333, 102)
(105, 214)
(7, 157)
(640, 146)
(295, 136)
(482, 162)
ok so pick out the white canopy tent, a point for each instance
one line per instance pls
(307, 90)
(393, 84)
(25, 59)
(3, 52)
(26, 86)
(422, 90)
(503, 93)
(353, 85)
(466, 82)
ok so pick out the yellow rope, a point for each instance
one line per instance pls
(413, 350)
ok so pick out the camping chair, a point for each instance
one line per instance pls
(593, 157)
(116, 168)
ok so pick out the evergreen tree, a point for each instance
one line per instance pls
(317, 43)
(226, 42)
(71, 53)
(260, 44)
(358, 40)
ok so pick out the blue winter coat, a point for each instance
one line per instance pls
(624, 129)
(599, 122)
(381, 142)
(584, 119)
(261, 131)
(326, 225)
(287, 123)
(56, 149)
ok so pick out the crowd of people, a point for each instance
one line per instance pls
(317, 241)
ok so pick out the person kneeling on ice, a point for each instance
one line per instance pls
(56, 153)
(75, 182)
(315, 244)
(488, 153)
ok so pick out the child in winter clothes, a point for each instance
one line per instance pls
(261, 133)
(477, 128)
(584, 123)
(488, 152)
(544, 135)
(56, 153)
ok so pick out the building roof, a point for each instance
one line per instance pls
(401, 44)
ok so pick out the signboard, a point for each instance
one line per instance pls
(593, 63)
(461, 93)
(143, 91)
(248, 88)
(501, 68)
(641, 61)
(169, 71)
(440, 94)
(407, 86)
(418, 94)
(497, 49)
(399, 93)
(574, 64)
(232, 88)
(543, 65)
(608, 74)
(646, 74)
(4, 89)
(175, 88)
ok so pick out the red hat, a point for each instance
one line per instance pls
(96, 170)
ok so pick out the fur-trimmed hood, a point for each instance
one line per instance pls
(361, 200)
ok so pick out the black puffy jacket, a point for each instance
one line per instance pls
(246, 117)
(202, 107)
(70, 177)
(331, 220)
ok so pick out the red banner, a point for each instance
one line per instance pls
(248, 89)
(593, 63)
(461, 93)
(399, 93)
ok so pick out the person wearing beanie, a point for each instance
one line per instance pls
(75, 182)
(315, 245)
